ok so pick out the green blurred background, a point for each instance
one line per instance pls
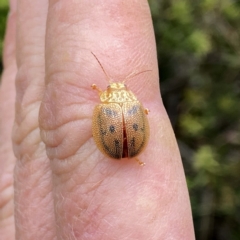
(3, 18)
(199, 59)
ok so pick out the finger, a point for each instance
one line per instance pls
(96, 198)
(33, 200)
(7, 100)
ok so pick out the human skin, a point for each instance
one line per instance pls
(64, 188)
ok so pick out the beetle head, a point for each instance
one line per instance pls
(117, 86)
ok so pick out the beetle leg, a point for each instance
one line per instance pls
(94, 87)
(140, 162)
(146, 111)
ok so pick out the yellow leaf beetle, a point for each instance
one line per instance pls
(120, 127)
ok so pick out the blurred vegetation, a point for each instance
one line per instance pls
(199, 59)
(3, 18)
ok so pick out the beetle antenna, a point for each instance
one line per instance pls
(133, 74)
(108, 78)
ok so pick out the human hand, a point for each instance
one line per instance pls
(64, 187)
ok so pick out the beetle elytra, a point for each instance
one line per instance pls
(120, 126)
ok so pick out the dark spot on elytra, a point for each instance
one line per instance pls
(135, 126)
(109, 112)
(133, 110)
(103, 132)
(132, 142)
(117, 151)
(112, 129)
(117, 145)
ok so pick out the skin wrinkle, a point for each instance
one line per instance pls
(72, 232)
(39, 181)
(24, 109)
(25, 127)
(92, 210)
(90, 203)
(73, 85)
(32, 98)
(62, 203)
(32, 52)
(41, 226)
(70, 73)
(61, 110)
(90, 174)
(64, 166)
(33, 170)
(32, 60)
(62, 131)
(71, 114)
(96, 186)
(26, 141)
(68, 161)
(22, 150)
(66, 149)
(5, 199)
(92, 227)
(21, 129)
(74, 186)
(45, 232)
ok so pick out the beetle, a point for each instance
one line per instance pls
(120, 126)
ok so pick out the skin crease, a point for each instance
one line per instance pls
(64, 188)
